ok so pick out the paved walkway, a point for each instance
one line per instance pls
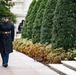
(20, 64)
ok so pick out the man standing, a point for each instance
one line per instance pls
(6, 38)
(20, 26)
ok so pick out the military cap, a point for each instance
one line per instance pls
(5, 16)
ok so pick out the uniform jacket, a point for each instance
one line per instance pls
(6, 39)
(20, 27)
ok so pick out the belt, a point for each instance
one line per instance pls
(5, 32)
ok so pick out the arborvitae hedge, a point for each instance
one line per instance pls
(38, 22)
(64, 25)
(46, 29)
(32, 18)
(24, 30)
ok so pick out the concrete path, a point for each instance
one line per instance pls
(20, 64)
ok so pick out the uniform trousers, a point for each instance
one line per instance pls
(5, 57)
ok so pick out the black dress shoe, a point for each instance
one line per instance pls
(5, 65)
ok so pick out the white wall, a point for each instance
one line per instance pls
(26, 4)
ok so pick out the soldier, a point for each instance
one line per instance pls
(6, 38)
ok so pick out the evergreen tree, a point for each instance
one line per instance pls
(24, 30)
(30, 8)
(32, 18)
(64, 25)
(38, 22)
(5, 9)
(46, 29)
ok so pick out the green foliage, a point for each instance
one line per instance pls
(30, 8)
(5, 9)
(32, 18)
(38, 22)
(24, 30)
(7, 3)
(54, 22)
(46, 29)
(70, 56)
(64, 25)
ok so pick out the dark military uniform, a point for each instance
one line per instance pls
(6, 38)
